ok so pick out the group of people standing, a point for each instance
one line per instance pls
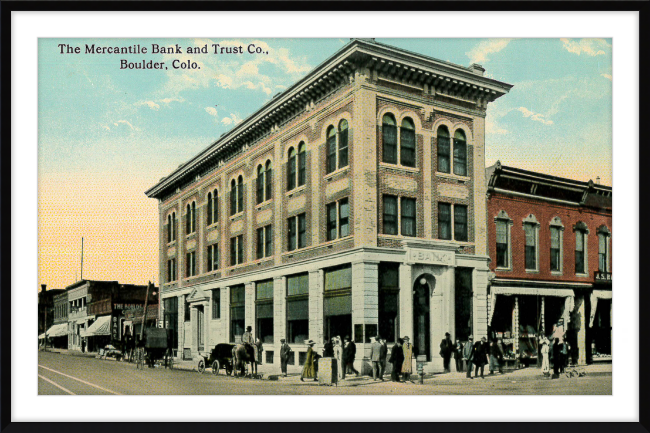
(401, 356)
(343, 350)
(560, 352)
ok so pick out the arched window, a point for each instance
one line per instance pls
(389, 139)
(190, 218)
(460, 153)
(213, 207)
(604, 236)
(343, 143)
(233, 197)
(173, 226)
(302, 164)
(169, 228)
(291, 170)
(209, 208)
(260, 184)
(331, 149)
(444, 165)
(407, 143)
(240, 194)
(193, 216)
(268, 179)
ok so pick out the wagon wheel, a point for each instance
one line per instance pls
(201, 366)
(215, 367)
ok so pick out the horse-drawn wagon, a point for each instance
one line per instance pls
(155, 346)
(219, 358)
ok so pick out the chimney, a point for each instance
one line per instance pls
(597, 180)
(43, 286)
(477, 69)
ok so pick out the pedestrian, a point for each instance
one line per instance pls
(496, 356)
(383, 356)
(564, 355)
(338, 354)
(407, 367)
(285, 350)
(480, 356)
(349, 352)
(328, 348)
(446, 349)
(468, 348)
(375, 359)
(309, 369)
(83, 345)
(458, 356)
(556, 358)
(545, 364)
(397, 359)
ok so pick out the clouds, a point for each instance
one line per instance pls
(608, 76)
(534, 116)
(479, 54)
(212, 111)
(155, 105)
(590, 47)
(491, 127)
(232, 120)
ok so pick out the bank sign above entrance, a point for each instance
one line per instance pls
(444, 258)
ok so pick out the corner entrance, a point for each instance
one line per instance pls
(422, 318)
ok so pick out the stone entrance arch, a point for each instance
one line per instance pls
(423, 288)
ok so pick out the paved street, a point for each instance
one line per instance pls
(61, 374)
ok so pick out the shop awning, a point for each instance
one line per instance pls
(594, 297)
(57, 330)
(101, 326)
(534, 291)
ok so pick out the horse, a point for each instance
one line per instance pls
(240, 356)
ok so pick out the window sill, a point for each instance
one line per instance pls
(264, 204)
(557, 273)
(532, 271)
(453, 176)
(262, 260)
(237, 216)
(213, 226)
(399, 167)
(193, 277)
(582, 275)
(503, 269)
(171, 244)
(335, 172)
(296, 190)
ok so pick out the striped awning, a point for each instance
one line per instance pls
(510, 291)
(57, 330)
(101, 326)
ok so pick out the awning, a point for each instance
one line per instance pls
(594, 297)
(533, 291)
(101, 326)
(57, 330)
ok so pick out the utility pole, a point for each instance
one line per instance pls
(82, 258)
(43, 296)
(144, 315)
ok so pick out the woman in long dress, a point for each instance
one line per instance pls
(309, 370)
(407, 366)
(545, 364)
(338, 354)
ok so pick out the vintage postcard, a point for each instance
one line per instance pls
(325, 216)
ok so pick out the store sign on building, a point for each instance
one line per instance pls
(431, 257)
(128, 307)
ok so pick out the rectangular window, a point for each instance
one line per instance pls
(268, 240)
(460, 157)
(408, 216)
(502, 244)
(237, 250)
(343, 148)
(237, 312)
(302, 167)
(216, 304)
(260, 243)
(344, 217)
(339, 278)
(170, 318)
(190, 264)
(530, 247)
(331, 153)
(302, 231)
(580, 252)
(463, 303)
(407, 147)
(443, 155)
(388, 307)
(331, 221)
(390, 215)
(298, 308)
(444, 221)
(264, 310)
(555, 249)
(213, 257)
(187, 308)
(602, 253)
(293, 233)
(389, 147)
(298, 285)
(171, 270)
(460, 223)
(240, 249)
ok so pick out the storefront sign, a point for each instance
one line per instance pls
(115, 328)
(131, 306)
(432, 257)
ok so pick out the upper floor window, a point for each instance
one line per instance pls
(338, 219)
(503, 224)
(171, 270)
(296, 169)
(237, 195)
(190, 218)
(216, 304)
(452, 222)
(604, 236)
(405, 209)
(557, 230)
(171, 227)
(460, 223)
(390, 214)
(407, 215)
(213, 207)
(389, 139)
(531, 234)
(297, 226)
(337, 152)
(460, 153)
(444, 150)
(265, 241)
(407, 143)
(190, 264)
(213, 257)
(237, 250)
(581, 232)
(264, 182)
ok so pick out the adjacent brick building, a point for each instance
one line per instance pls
(350, 204)
(550, 249)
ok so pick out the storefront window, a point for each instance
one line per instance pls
(298, 308)
(388, 300)
(464, 303)
(264, 310)
(337, 303)
(170, 317)
(237, 312)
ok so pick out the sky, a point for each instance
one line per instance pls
(105, 134)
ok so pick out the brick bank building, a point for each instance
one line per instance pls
(353, 203)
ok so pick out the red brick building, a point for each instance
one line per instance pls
(549, 241)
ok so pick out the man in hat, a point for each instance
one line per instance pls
(375, 358)
(446, 349)
(407, 367)
(467, 355)
(247, 339)
(349, 352)
(383, 354)
(397, 359)
(285, 350)
(480, 356)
